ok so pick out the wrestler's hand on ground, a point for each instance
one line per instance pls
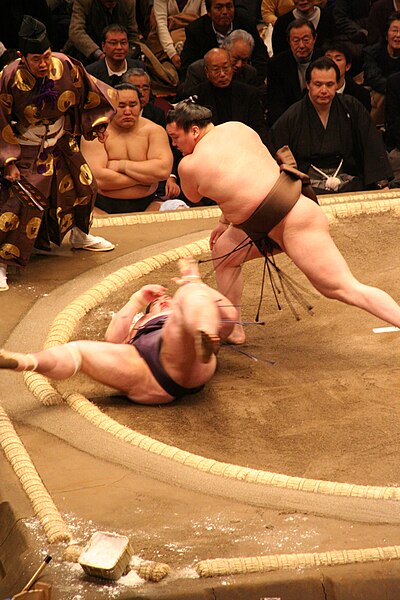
(11, 172)
(217, 232)
(172, 189)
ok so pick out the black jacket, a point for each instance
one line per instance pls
(325, 30)
(200, 38)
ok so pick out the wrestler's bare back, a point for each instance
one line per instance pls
(231, 165)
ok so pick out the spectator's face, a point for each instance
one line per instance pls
(128, 109)
(116, 45)
(322, 87)
(304, 6)
(393, 37)
(301, 42)
(143, 84)
(340, 59)
(185, 141)
(221, 14)
(109, 3)
(219, 69)
(38, 64)
(240, 53)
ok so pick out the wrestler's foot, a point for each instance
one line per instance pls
(207, 344)
(189, 270)
(17, 361)
(237, 336)
(86, 241)
(3, 277)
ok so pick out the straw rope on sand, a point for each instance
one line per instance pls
(63, 327)
(42, 503)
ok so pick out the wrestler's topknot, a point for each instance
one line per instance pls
(188, 113)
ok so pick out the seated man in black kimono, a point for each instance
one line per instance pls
(332, 137)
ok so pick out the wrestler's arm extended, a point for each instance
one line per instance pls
(107, 179)
(158, 164)
(188, 179)
(119, 329)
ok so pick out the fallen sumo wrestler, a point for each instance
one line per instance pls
(264, 208)
(165, 353)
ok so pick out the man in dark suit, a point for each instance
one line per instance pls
(321, 18)
(340, 53)
(229, 100)
(116, 61)
(210, 30)
(286, 82)
(240, 46)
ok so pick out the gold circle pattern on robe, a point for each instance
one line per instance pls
(8, 251)
(75, 76)
(32, 228)
(66, 100)
(6, 101)
(56, 69)
(24, 80)
(49, 164)
(66, 184)
(8, 135)
(113, 95)
(93, 100)
(85, 174)
(66, 222)
(82, 200)
(9, 221)
(32, 115)
(73, 144)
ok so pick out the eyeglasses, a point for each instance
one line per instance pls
(306, 40)
(216, 70)
(117, 42)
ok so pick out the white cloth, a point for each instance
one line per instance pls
(34, 135)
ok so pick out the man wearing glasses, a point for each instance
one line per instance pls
(210, 31)
(115, 61)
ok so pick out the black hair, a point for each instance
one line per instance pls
(187, 113)
(395, 16)
(339, 46)
(301, 22)
(129, 86)
(115, 27)
(209, 2)
(322, 64)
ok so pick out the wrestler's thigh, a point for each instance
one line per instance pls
(307, 241)
(233, 243)
(117, 365)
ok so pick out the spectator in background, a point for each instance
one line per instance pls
(340, 53)
(381, 60)
(378, 19)
(240, 46)
(321, 18)
(287, 70)
(272, 9)
(171, 14)
(228, 99)
(351, 19)
(88, 20)
(116, 62)
(210, 30)
(141, 79)
(392, 125)
(332, 137)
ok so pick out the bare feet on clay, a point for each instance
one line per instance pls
(189, 270)
(207, 344)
